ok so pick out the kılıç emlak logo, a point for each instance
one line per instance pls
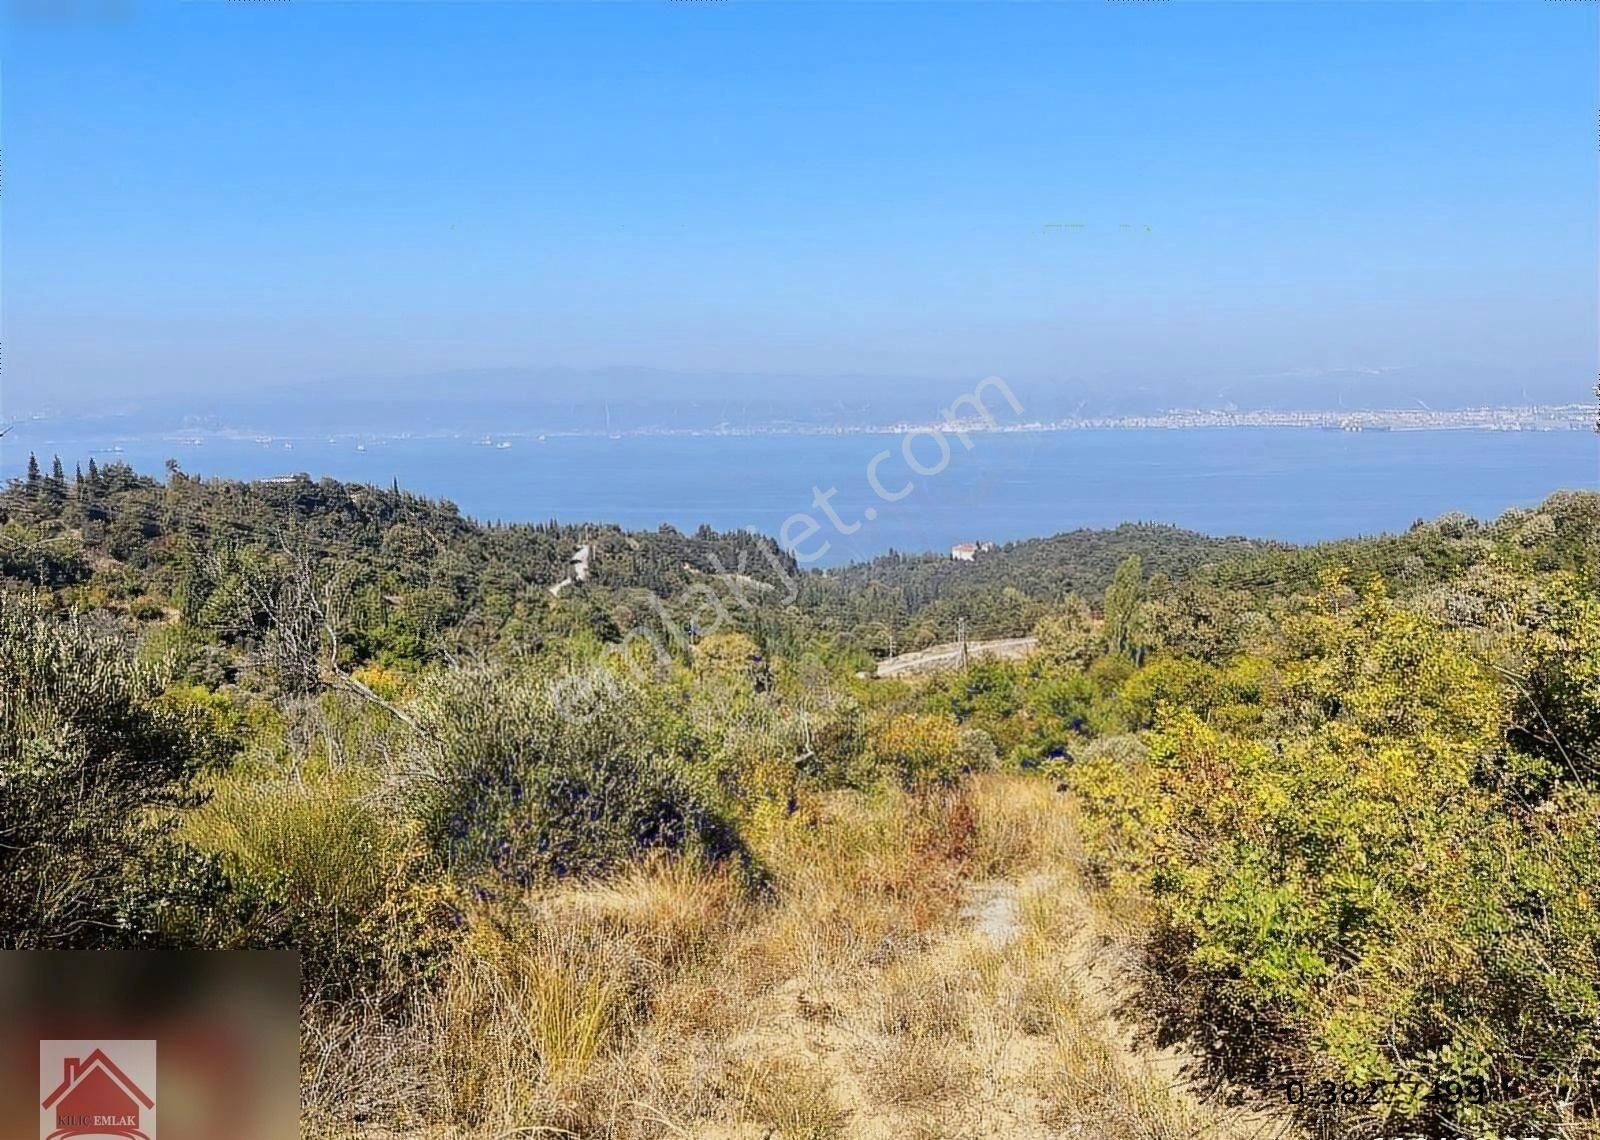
(97, 1089)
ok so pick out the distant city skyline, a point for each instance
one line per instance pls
(1134, 206)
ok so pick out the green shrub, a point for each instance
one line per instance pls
(840, 753)
(40, 559)
(1348, 885)
(1069, 638)
(147, 609)
(93, 771)
(1557, 708)
(922, 749)
(222, 730)
(518, 780)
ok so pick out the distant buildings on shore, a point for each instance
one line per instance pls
(1530, 417)
(1557, 417)
(967, 551)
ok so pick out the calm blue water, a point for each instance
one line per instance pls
(1299, 485)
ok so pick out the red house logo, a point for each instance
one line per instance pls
(97, 1089)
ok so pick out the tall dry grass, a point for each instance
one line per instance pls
(877, 990)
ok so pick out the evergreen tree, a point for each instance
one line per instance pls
(1124, 634)
(34, 478)
(94, 474)
(55, 487)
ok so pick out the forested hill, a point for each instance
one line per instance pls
(424, 579)
(1001, 591)
(420, 581)
(1195, 585)
(422, 575)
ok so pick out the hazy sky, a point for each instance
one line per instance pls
(215, 195)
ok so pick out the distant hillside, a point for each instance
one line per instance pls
(1002, 592)
(419, 581)
(426, 580)
(419, 577)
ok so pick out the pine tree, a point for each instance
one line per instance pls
(34, 478)
(54, 489)
(94, 473)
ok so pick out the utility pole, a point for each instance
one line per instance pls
(961, 638)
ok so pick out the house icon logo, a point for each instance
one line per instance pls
(97, 1089)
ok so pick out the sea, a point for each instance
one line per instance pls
(833, 502)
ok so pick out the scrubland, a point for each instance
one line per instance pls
(1317, 821)
(918, 965)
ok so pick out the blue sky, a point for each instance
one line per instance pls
(210, 196)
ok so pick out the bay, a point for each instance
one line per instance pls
(1290, 484)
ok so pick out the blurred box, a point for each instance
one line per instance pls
(149, 1045)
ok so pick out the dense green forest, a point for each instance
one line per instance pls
(1341, 799)
(423, 583)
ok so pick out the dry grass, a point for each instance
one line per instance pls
(916, 998)
(793, 1098)
(918, 1071)
(922, 968)
(1087, 1089)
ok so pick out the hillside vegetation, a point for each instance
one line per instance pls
(1254, 834)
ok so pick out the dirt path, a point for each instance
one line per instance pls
(1002, 1023)
(1098, 981)
(925, 972)
(945, 657)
